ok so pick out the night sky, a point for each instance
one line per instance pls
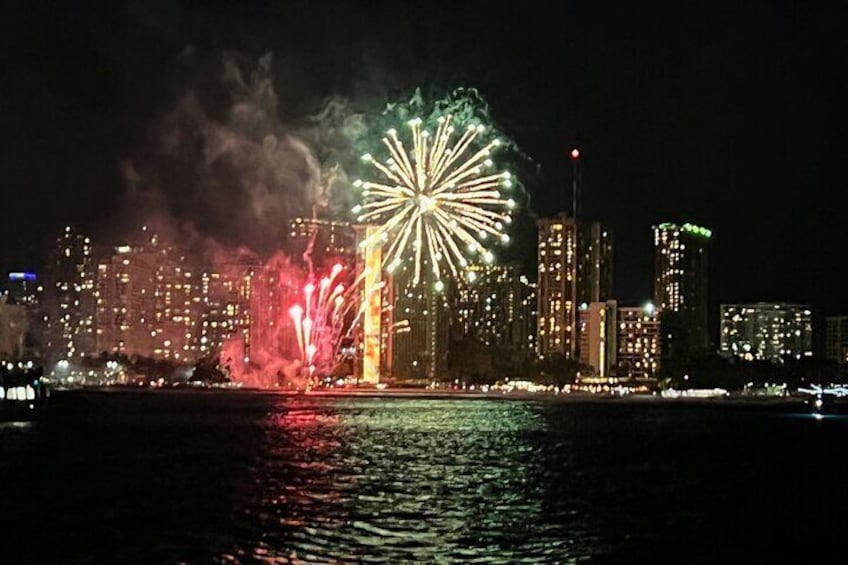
(732, 116)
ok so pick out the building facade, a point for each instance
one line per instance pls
(151, 301)
(491, 309)
(639, 343)
(556, 290)
(70, 299)
(313, 243)
(766, 331)
(681, 262)
(226, 313)
(422, 314)
(23, 288)
(126, 297)
(526, 321)
(575, 266)
(595, 263)
(13, 329)
(598, 336)
(836, 339)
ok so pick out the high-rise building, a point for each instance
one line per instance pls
(526, 322)
(766, 331)
(639, 344)
(126, 299)
(594, 269)
(23, 288)
(493, 320)
(490, 308)
(557, 291)
(680, 288)
(178, 309)
(150, 301)
(371, 349)
(13, 329)
(598, 336)
(70, 302)
(422, 312)
(272, 337)
(836, 339)
(226, 312)
(575, 265)
(315, 242)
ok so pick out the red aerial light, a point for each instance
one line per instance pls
(575, 153)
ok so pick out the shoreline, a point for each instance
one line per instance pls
(435, 394)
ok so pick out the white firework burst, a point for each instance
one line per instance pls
(439, 203)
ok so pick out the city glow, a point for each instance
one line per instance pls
(437, 203)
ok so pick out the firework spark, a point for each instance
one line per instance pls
(437, 204)
(319, 319)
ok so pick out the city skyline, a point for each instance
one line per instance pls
(422, 281)
(674, 145)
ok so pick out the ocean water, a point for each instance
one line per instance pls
(240, 477)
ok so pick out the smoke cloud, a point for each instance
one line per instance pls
(224, 168)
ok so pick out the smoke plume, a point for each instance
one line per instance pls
(225, 167)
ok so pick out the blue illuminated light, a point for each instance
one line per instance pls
(30, 277)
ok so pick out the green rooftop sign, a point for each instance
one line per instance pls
(688, 228)
(697, 230)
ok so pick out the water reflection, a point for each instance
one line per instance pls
(400, 480)
(129, 477)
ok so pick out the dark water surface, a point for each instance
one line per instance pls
(171, 477)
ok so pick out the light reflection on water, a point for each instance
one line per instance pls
(409, 481)
(22, 425)
(185, 477)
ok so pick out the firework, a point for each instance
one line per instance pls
(438, 204)
(318, 321)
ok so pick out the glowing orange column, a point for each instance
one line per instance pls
(372, 313)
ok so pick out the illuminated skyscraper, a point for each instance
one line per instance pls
(836, 339)
(126, 298)
(150, 301)
(557, 291)
(69, 302)
(421, 313)
(23, 288)
(680, 288)
(766, 331)
(13, 329)
(594, 269)
(178, 309)
(487, 309)
(638, 342)
(680, 259)
(373, 336)
(226, 312)
(598, 336)
(575, 266)
(25, 292)
(526, 323)
(326, 242)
